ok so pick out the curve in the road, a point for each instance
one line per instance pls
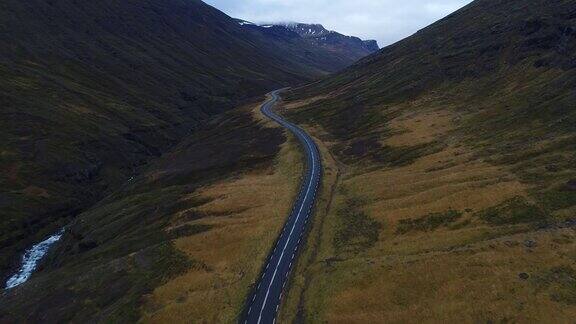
(262, 306)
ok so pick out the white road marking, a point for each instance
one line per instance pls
(309, 196)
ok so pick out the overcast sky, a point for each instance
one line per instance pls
(384, 20)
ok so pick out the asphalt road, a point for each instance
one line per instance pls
(265, 299)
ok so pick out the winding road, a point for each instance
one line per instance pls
(265, 299)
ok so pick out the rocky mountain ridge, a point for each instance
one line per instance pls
(317, 35)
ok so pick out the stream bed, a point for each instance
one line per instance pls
(31, 258)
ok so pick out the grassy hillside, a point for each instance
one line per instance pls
(456, 151)
(92, 91)
(201, 212)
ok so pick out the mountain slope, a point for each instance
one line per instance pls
(92, 91)
(117, 118)
(200, 215)
(536, 41)
(456, 153)
(349, 47)
(332, 40)
(329, 50)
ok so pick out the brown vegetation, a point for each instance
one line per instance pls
(436, 258)
(245, 214)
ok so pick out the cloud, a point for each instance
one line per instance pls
(384, 20)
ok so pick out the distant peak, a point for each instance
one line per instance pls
(317, 34)
(306, 30)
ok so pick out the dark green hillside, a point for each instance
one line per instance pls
(92, 90)
(509, 63)
(507, 69)
(461, 142)
(118, 251)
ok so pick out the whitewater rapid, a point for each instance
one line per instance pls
(30, 260)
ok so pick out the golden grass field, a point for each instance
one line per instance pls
(466, 271)
(246, 213)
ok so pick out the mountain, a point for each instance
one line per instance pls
(449, 187)
(316, 34)
(92, 92)
(112, 113)
(332, 40)
(321, 36)
(308, 30)
(342, 50)
(454, 153)
(299, 49)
